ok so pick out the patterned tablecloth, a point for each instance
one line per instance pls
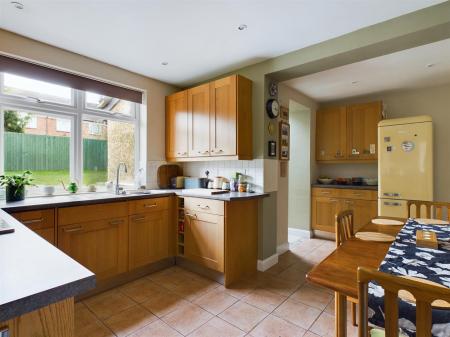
(404, 258)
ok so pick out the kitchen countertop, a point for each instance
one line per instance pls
(100, 197)
(34, 273)
(351, 187)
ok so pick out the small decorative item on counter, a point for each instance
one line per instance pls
(217, 182)
(325, 180)
(233, 185)
(242, 185)
(250, 188)
(109, 186)
(71, 188)
(48, 190)
(226, 185)
(92, 188)
(210, 184)
(15, 185)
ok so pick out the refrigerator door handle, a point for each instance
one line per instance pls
(391, 194)
(387, 203)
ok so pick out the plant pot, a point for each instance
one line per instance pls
(14, 193)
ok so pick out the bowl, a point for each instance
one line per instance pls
(325, 181)
(371, 181)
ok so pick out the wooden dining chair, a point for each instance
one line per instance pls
(428, 209)
(425, 294)
(344, 225)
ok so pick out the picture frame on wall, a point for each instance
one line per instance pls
(284, 141)
(284, 113)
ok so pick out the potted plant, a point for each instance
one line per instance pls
(15, 185)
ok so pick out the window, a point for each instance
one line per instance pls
(81, 138)
(32, 89)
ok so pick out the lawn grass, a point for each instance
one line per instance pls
(55, 177)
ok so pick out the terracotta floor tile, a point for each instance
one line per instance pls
(330, 309)
(86, 324)
(273, 326)
(141, 289)
(130, 320)
(217, 327)
(310, 334)
(324, 326)
(297, 313)
(264, 299)
(294, 273)
(215, 301)
(108, 303)
(193, 289)
(164, 303)
(169, 278)
(241, 288)
(312, 297)
(243, 316)
(187, 318)
(156, 329)
(280, 286)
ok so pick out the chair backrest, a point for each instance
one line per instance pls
(343, 226)
(428, 209)
(424, 294)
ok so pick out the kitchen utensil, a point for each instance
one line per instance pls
(195, 182)
(177, 182)
(225, 185)
(357, 181)
(370, 181)
(326, 181)
(165, 172)
(343, 181)
(217, 182)
(233, 185)
(210, 184)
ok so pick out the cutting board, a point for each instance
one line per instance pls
(166, 172)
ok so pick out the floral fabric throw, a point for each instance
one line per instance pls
(404, 258)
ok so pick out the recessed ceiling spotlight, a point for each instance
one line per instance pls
(430, 65)
(17, 4)
(242, 27)
(355, 82)
(164, 63)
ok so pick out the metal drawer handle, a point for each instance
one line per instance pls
(139, 219)
(150, 206)
(392, 203)
(29, 222)
(334, 200)
(203, 207)
(391, 194)
(357, 194)
(115, 222)
(74, 229)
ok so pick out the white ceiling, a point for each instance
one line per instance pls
(407, 69)
(198, 38)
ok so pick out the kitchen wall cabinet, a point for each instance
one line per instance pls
(99, 245)
(219, 121)
(149, 232)
(327, 202)
(198, 121)
(177, 125)
(362, 130)
(348, 133)
(42, 222)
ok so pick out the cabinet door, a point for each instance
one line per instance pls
(331, 134)
(223, 120)
(362, 130)
(177, 125)
(363, 211)
(101, 246)
(149, 238)
(204, 239)
(198, 121)
(324, 211)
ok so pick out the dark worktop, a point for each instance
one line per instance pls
(100, 197)
(34, 273)
(350, 187)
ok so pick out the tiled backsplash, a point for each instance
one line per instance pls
(226, 168)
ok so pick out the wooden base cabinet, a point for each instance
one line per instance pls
(327, 202)
(101, 245)
(42, 222)
(149, 238)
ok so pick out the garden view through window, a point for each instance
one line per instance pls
(42, 122)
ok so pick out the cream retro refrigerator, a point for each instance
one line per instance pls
(405, 163)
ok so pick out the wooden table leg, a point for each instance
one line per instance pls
(341, 314)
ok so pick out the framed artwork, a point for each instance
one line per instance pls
(284, 113)
(284, 140)
(272, 148)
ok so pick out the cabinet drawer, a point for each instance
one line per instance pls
(204, 205)
(149, 205)
(35, 220)
(358, 194)
(77, 214)
(325, 192)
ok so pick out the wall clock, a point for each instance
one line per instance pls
(273, 108)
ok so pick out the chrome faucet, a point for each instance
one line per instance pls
(118, 174)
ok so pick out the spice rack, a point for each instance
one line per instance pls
(180, 226)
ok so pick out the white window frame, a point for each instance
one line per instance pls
(77, 112)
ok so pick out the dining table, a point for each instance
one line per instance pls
(338, 271)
